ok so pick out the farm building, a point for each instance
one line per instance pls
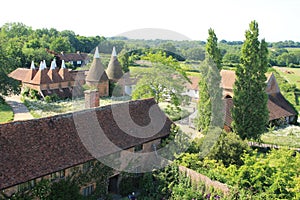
(58, 147)
(279, 108)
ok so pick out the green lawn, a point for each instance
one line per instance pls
(288, 136)
(43, 109)
(6, 113)
(292, 75)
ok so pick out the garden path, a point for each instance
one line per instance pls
(19, 109)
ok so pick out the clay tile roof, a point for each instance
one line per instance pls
(277, 105)
(19, 74)
(65, 74)
(30, 75)
(35, 148)
(228, 107)
(228, 79)
(114, 69)
(96, 72)
(194, 85)
(72, 56)
(54, 76)
(41, 77)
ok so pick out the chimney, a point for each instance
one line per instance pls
(91, 98)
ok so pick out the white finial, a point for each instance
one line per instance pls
(41, 65)
(54, 61)
(32, 65)
(63, 66)
(114, 53)
(44, 64)
(52, 65)
(96, 55)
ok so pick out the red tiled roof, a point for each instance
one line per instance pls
(194, 85)
(65, 74)
(67, 57)
(228, 79)
(278, 108)
(30, 75)
(54, 76)
(34, 148)
(19, 74)
(41, 77)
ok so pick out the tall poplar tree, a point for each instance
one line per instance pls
(250, 112)
(210, 94)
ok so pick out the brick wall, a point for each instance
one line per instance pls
(197, 177)
(91, 98)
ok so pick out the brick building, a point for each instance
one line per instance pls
(278, 106)
(63, 82)
(96, 76)
(51, 148)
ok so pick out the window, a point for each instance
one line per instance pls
(138, 148)
(88, 190)
(78, 62)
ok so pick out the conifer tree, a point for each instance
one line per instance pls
(250, 112)
(210, 94)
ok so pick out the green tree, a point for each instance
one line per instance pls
(60, 44)
(250, 111)
(210, 93)
(8, 63)
(64, 190)
(212, 49)
(163, 80)
(229, 149)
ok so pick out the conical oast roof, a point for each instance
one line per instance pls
(41, 76)
(64, 72)
(96, 72)
(53, 73)
(31, 73)
(114, 70)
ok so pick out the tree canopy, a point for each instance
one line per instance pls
(250, 112)
(210, 93)
(163, 80)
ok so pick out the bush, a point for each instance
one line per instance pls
(229, 149)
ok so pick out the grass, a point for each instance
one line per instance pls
(288, 136)
(6, 113)
(292, 75)
(175, 115)
(39, 108)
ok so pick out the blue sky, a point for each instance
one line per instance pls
(278, 19)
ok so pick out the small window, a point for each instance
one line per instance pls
(88, 190)
(78, 62)
(138, 148)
